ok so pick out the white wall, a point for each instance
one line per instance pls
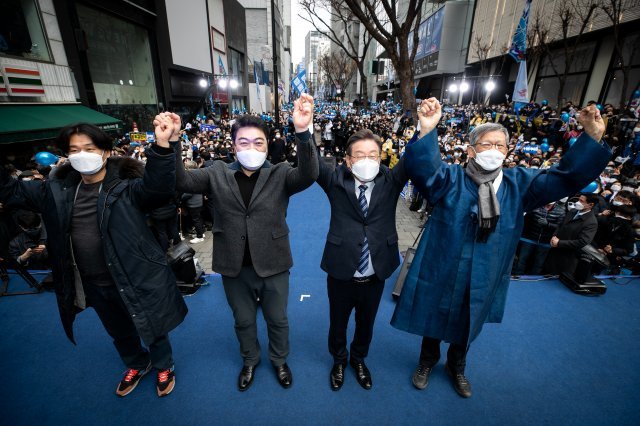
(189, 34)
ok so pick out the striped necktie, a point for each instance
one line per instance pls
(363, 263)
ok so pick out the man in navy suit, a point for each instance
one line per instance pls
(362, 247)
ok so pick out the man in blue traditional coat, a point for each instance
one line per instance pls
(461, 271)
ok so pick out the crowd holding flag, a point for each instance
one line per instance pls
(518, 52)
(299, 82)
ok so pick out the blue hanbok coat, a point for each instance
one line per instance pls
(434, 301)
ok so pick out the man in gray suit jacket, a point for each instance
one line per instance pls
(250, 234)
(362, 247)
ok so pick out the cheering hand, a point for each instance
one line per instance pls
(429, 113)
(302, 113)
(592, 122)
(163, 128)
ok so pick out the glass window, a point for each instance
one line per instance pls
(548, 88)
(121, 66)
(581, 60)
(21, 30)
(615, 86)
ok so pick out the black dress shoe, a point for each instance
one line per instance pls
(420, 377)
(246, 377)
(285, 378)
(362, 374)
(460, 382)
(337, 377)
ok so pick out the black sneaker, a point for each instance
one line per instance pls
(166, 382)
(130, 380)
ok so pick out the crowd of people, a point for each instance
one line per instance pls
(594, 226)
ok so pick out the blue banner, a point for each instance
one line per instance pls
(518, 48)
(207, 127)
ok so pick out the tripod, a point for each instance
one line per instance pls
(22, 272)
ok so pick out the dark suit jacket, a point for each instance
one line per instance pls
(348, 225)
(263, 223)
(573, 235)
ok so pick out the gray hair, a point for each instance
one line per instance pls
(480, 130)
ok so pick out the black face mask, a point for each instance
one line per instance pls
(32, 232)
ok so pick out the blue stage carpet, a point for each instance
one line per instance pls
(559, 358)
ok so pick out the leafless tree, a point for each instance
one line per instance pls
(338, 69)
(315, 13)
(481, 49)
(570, 21)
(392, 28)
(615, 10)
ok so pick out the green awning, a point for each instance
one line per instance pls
(21, 123)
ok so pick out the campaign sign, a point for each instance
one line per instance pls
(138, 137)
(151, 137)
(530, 149)
(207, 127)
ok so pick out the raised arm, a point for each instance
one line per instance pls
(28, 194)
(191, 181)
(579, 166)
(422, 160)
(303, 176)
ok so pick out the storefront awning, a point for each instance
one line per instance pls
(22, 123)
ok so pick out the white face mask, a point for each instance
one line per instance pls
(616, 188)
(617, 203)
(490, 159)
(365, 170)
(578, 206)
(251, 159)
(87, 163)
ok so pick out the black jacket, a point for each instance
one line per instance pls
(348, 225)
(136, 262)
(573, 235)
(540, 224)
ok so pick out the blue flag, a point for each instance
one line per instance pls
(519, 44)
(221, 65)
(299, 82)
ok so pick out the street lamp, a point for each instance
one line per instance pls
(489, 86)
(464, 87)
(203, 82)
(453, 88)
(233, 84)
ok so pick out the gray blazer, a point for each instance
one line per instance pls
(263, 222)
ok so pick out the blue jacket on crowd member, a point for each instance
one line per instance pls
(128, 192)
(449, 258)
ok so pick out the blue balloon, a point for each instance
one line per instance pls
(544, 147)
(493, 114)
(545, 140)
(45, 158)
(134, 144)
(636, 93)
(590, 188)
(545, 102)
(572, 141)
(599, 106)
(565, 117)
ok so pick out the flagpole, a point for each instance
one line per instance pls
(275, 66)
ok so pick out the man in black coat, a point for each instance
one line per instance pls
(362, 247)
(577, 230)
(102, 252)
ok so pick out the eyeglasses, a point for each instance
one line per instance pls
(489, 145)
(374, 157)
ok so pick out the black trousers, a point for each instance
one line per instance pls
(166, 230)
(345, 296)
(195, 213)
(242, 294)
(456, 355)
(117, 322)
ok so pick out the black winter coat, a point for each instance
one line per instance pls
(573, 235)
(137, 263)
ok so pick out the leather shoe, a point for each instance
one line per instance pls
(285, 378)
(246, 377)
(337, 377)
(420, 377)
(460, 382)
(362, 374)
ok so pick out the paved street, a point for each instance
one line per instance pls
(407, 224)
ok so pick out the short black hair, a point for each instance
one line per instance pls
(591, 198)
(363, 134)
(28, 219)
(97, 136)
(249, 121)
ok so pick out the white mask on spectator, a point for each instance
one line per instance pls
(490, 159)
(365, 170)
(87, 163)
(578, 206)
(251, 159)
(616, 188)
